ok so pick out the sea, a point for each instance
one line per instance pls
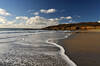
(20, 47)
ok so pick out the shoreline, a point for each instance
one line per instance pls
(82, 48)
(62, 52)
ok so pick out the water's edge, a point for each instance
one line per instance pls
(62, 50)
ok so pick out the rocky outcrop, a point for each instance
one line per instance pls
(75, 26)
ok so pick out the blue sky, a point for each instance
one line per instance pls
(61, 11)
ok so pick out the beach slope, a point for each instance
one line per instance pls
(83, 48)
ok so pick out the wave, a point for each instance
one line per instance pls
(62, 51)
(33, 45)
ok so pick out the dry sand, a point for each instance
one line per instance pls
(83, 48)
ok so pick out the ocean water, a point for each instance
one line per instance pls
(32, 48)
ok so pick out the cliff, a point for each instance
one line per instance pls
(75, 26)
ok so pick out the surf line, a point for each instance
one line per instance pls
(62, 52)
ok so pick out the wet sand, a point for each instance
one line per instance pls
(83, 48)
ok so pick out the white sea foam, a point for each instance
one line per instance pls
(31, 44)
(62, 51)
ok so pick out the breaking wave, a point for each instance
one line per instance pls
(33, 48)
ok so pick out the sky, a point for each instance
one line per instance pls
(43, 13)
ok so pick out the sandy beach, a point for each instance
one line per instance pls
(83, 48)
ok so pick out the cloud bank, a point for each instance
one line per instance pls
(3, 12)
(34, 21)
(36, 13)
(27, 22)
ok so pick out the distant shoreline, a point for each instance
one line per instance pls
(75, 26)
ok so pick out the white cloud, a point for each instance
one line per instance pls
(54, 19)
(3, 19)
(31, 22)
(41, 21)
(10, 22)
(48, 11)
(21, 18)
(4, 12)
(62, 18)
(36, 13)
(68, 17)
(4, 23)
(98, 21)
(26, 22)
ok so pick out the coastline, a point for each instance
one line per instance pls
(62, 52)
(82, 47)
